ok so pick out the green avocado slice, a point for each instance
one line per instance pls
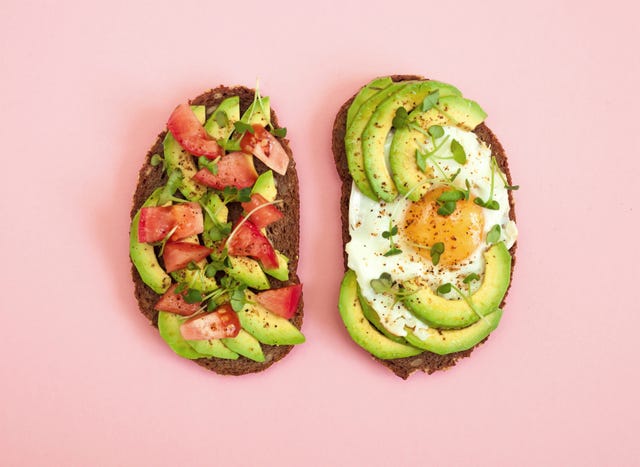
(372, 316)
(375, 133)
(368, 91)
(443, 342)
(451, 110)
(246, 345)
(213, 348)
(361, 330)
(143, 255)
(177, 158)
(441, 313)
(353, 137)
(169, 327)
(231, 109)
(268, 327)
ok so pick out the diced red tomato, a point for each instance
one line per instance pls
(178, 254)
(265, 147)
(189, 219)
(155, 223)
(283, 302)
(247, 240)
(235, 169)
(190, 134)
(174, 303)
(263, 216)
(221, 323)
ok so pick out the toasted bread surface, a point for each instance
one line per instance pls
(284, 234)
(427, 362)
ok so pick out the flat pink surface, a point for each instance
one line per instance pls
(86, 381)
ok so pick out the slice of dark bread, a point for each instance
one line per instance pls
(427, 361)
(284, 234)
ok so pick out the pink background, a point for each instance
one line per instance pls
(86, 381)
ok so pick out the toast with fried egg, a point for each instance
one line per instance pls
(374, 107)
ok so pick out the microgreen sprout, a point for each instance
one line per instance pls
(209, 164)
(431, 100)
(490, 203)
(504, 180)
(389, 234)
(174, 181)
(242, 127)
(386, 285)
(436, 250)
(279, 132)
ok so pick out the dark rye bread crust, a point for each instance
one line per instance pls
(427, 361)
(284, 234)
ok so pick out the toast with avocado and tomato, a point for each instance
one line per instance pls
(215, 232)
(428, 223)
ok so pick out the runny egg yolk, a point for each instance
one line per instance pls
(460, 232)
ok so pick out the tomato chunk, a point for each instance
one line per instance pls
(265, 147)
(263, 216)
(178, 254)
(283, 302)
(221, 323)
(247, 240)
(190, 134)
(235, 169)
(174, 303)
(189, 220)
(155, 223)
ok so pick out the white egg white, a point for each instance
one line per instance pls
(368, 219)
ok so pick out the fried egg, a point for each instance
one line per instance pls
(419, 226)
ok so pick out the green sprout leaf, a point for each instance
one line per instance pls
(210, 165)
(220, 231)
(192, 266)
(390, 233)
(193, 296)
(221, 118)
(493, 236)
(436, 131)
(447, 208)
(512, 187)
(238, 298)
(279, 132)
(393, 251)
(211, 305)
(244, 195)
(182, 286)
(242, 127)
(471, 277)
(444, 288)
(458, 152)
(436, 250)
(174, 181)
(382, 284)
(451, 195)
(401, 119)
(430, 100)
(211, 270)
